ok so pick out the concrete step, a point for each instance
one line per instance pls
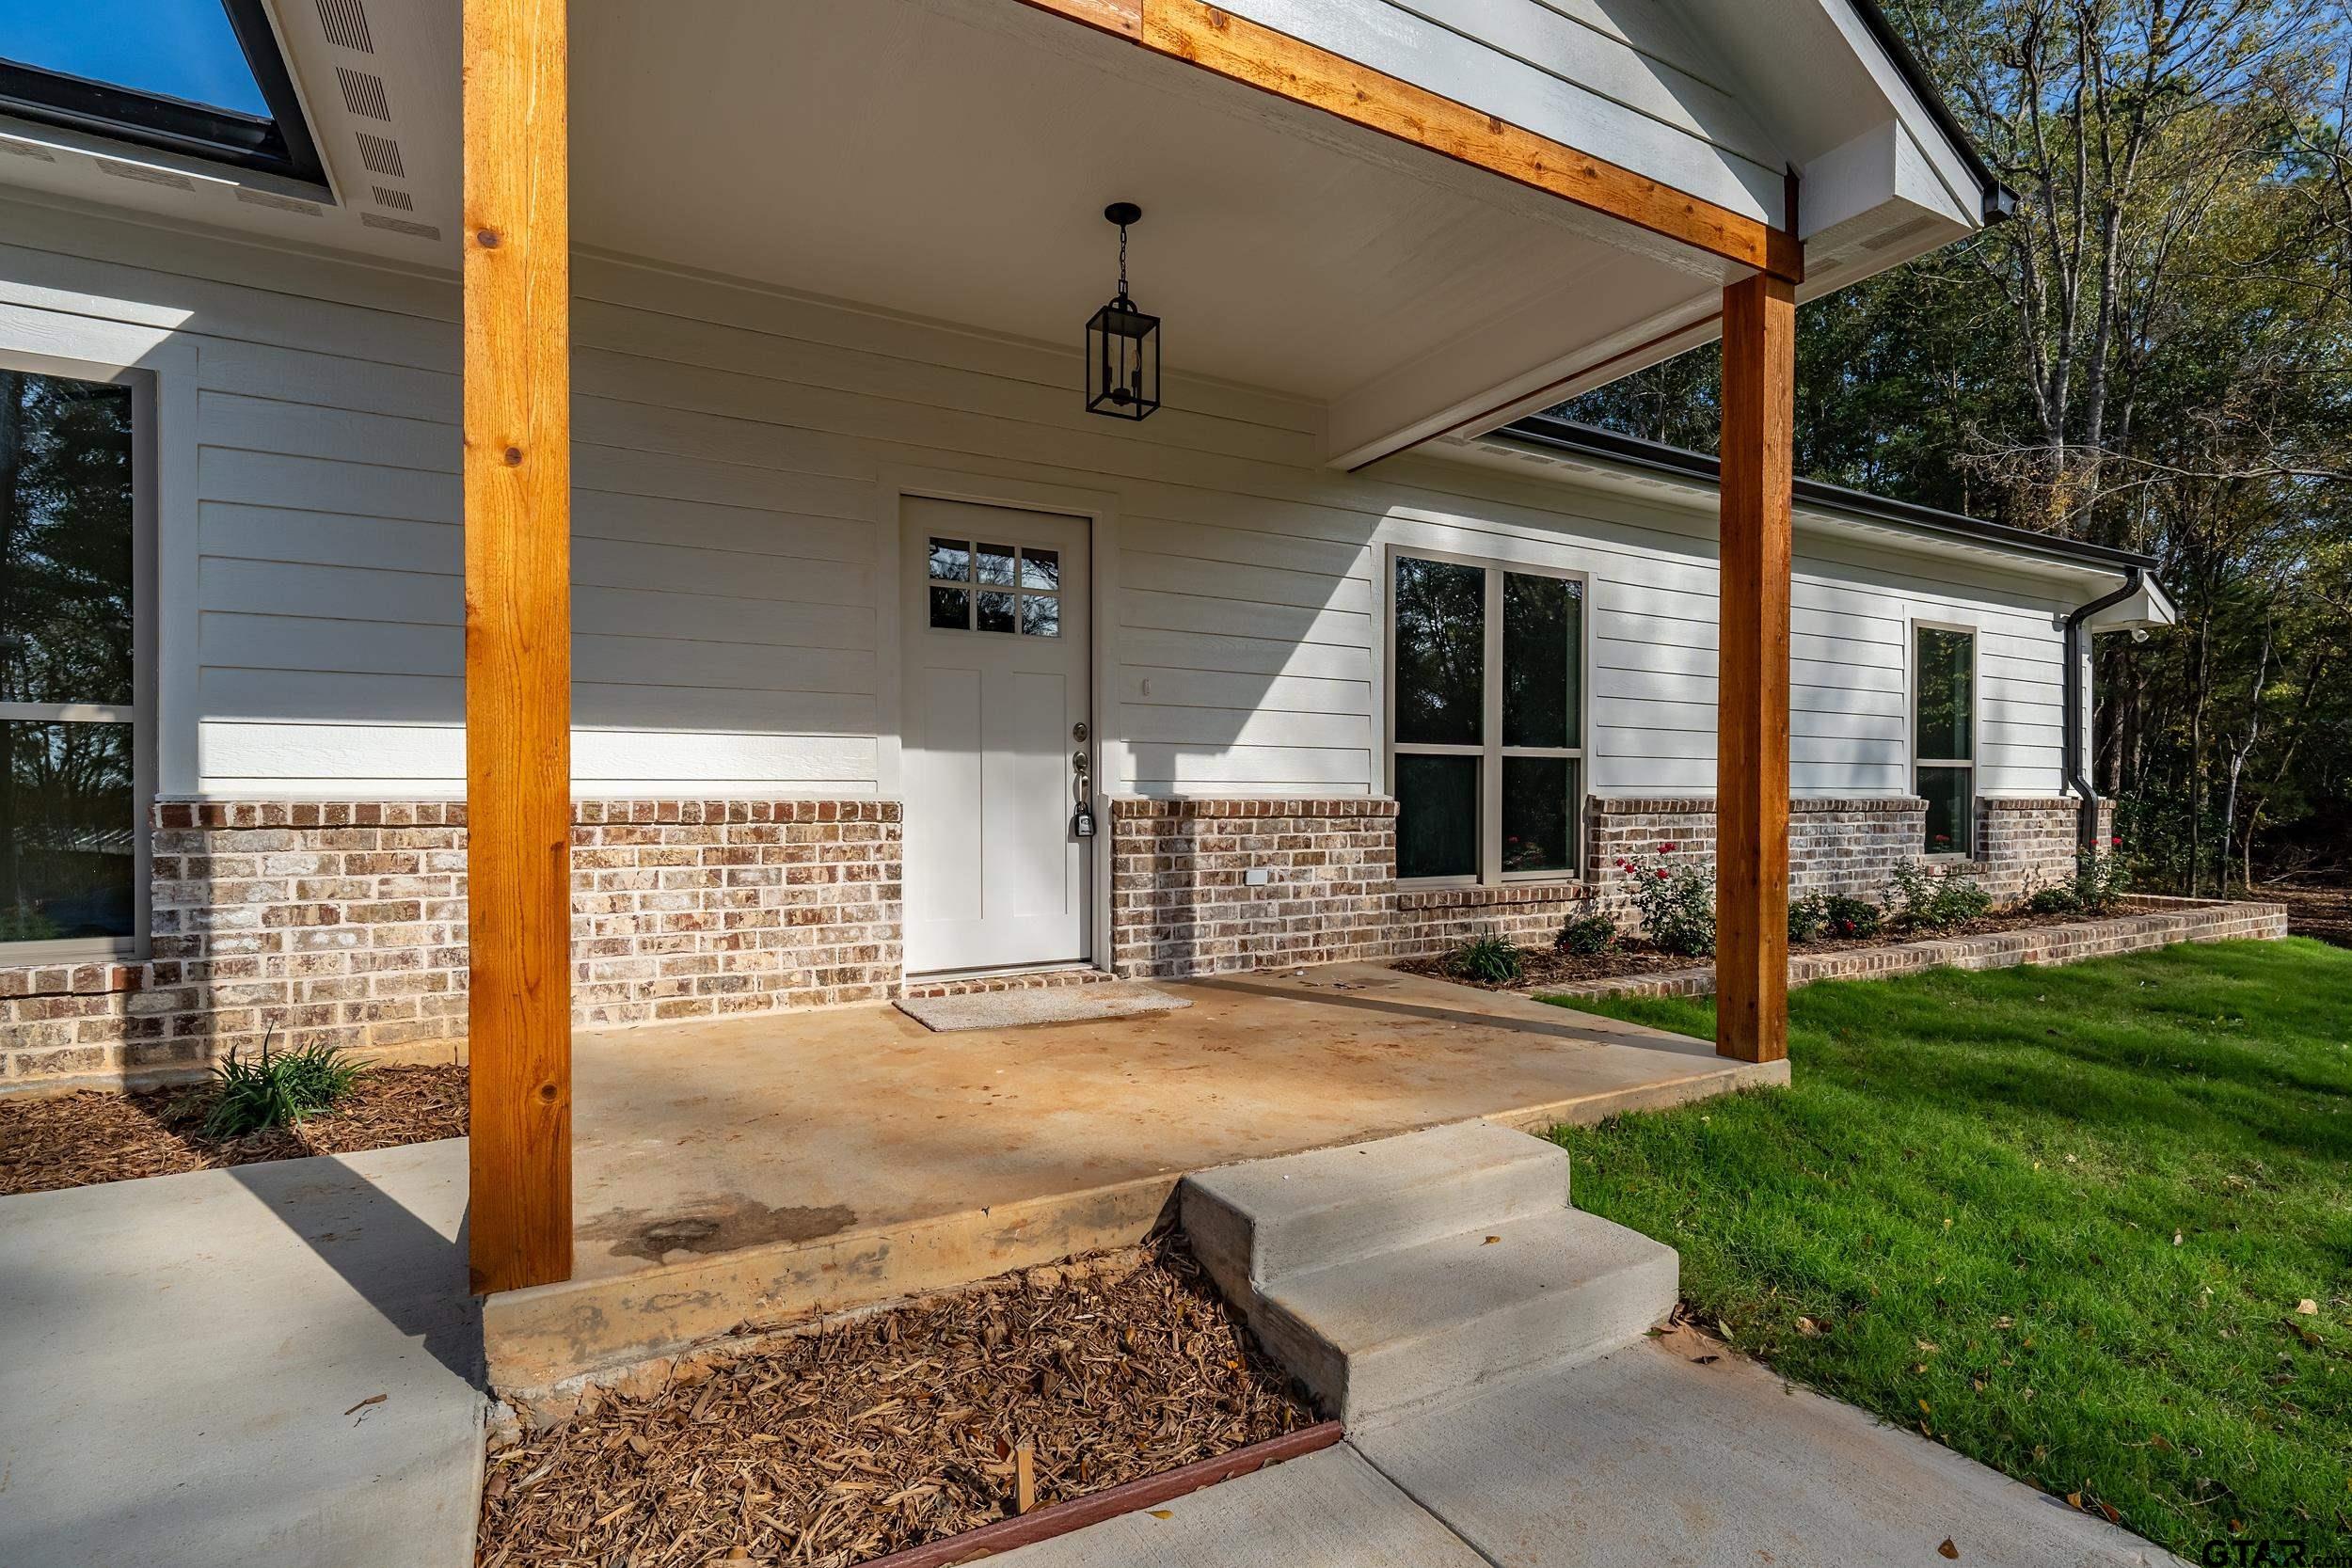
(1261, 1221)
(1380, 1333)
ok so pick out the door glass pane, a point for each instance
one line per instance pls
(951, 560)
(996, 564)
(1951, 809)
(995, 610)
(1945, 727)
(1041, 617)
(1437, 816)
(1040, 569)
(65, 540)
(951, 609)
(1440, 652)
(66, 841)
(1542, 627)
(1538, 813)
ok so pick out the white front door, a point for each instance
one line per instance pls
(995, 710)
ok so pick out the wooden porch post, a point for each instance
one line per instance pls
(1752, 753)
(518, 643)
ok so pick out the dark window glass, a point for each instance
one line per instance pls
(1944, 723)
(951, 609)
(67, 849)
(1951, 809)
(996, 611)
(951, 560)
(1440, 652)
(65, 540)
(1436, 822)
(1040, 569)
(996, 564)
(1538, 813)
(1542, 627)
(1041, 617)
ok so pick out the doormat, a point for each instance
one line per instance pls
(1011, 1009)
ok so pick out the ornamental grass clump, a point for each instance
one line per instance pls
(276, 1090)
(1675, 900)
(1491, 958)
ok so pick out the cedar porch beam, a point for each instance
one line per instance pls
(1752, 751)
(1242, 51)
(517, 517)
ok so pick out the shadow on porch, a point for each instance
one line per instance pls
(765, 1169)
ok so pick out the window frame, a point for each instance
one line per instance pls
(1910, 726)
(1491, 752)
(140, 714)
(280, 145)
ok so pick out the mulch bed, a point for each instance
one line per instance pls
(1542, 967)
(847, 1442)
(93, 1135)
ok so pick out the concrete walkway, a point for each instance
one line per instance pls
(271, 1365)
(1642, 1459)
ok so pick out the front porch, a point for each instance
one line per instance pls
(764, 1169)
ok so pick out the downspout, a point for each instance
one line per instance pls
(2078, 652)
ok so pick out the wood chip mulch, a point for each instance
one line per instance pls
(888, 1430)
(76, 1140)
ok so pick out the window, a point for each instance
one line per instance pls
(1943, 735)
(71, 850)
(1012, 589)
(1489, 715)
(199, 78)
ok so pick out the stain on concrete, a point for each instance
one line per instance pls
(723, 1223)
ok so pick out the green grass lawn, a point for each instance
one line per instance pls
(2060, 1219)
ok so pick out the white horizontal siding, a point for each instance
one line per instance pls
(735, 466)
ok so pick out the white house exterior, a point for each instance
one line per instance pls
(893, 667)
(744, 597)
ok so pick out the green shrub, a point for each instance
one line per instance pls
(1927, 900)
(1491, 959)
(1838, 916)
(1587, 936)
(276, 1090)
(1676, 901)
(2052, 901)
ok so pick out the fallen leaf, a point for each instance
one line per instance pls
(371, 1399)
(1490, 1241)
(1807, 1327)
(1927, 1347)
(1948, 1549)
(1163, 1513)
(2309, 1308)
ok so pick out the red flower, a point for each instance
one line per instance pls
(1666, 849)
(2117, 841)
(1662, 875)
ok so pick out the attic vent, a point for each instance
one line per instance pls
(274, 202)
(346, 25)
(1898, 234)
(144, 175)
(380, 155)
(26, 150)
(399, 201)
(401, 225)
(363, 93)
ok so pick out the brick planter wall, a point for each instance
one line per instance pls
(1181, 903)
(1845, 845)
(345, 922)
(2146, 923)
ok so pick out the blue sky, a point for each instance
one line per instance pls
(179, 48)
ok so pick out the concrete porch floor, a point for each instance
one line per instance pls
(766, 1169)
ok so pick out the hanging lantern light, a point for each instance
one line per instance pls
(1122, 344)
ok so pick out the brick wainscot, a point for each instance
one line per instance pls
(345, 922)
